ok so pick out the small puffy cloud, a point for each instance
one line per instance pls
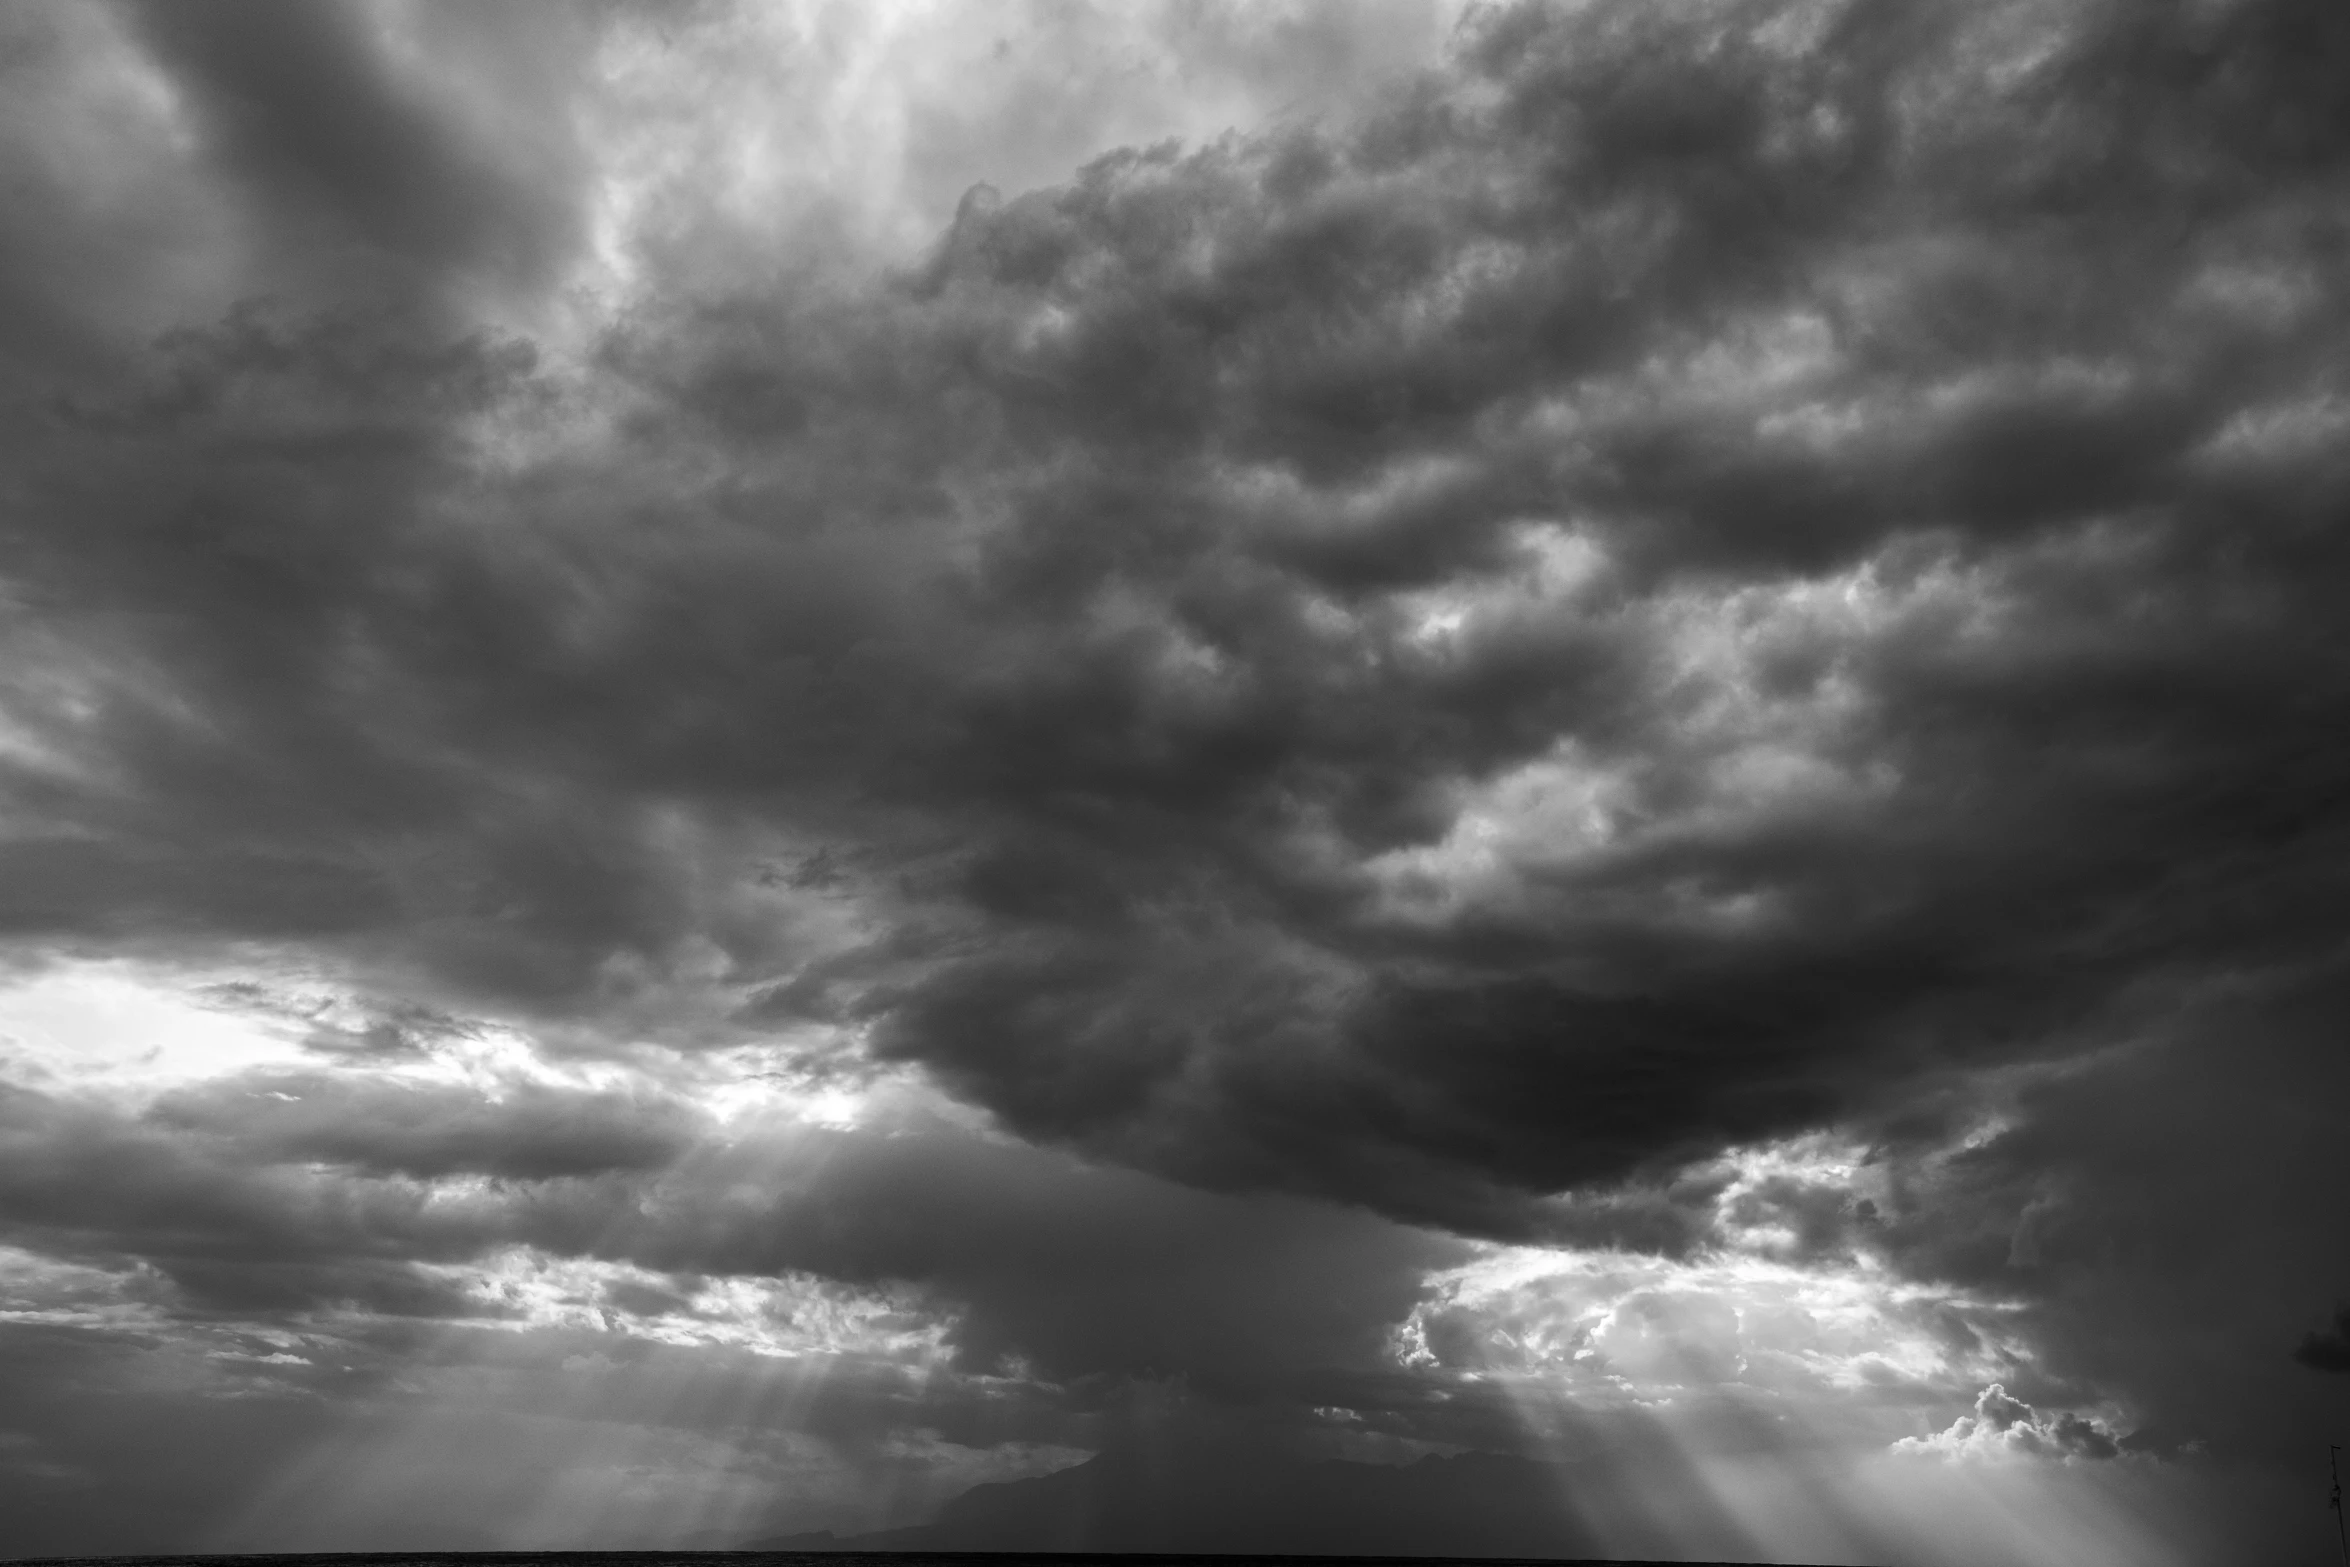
(2005, 1427)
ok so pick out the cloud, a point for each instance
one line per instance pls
(1595, 690)
(1429, 660)
(307, 116)
(2003, 1427)
(2152, 1212)
(858, 1324)
(856, 1320)
(380, 1128)
(443, 1190)
(2327, 1351)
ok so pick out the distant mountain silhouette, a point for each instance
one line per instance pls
(1476, 1504)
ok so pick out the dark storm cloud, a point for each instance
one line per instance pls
(2328, 1351)
(84, 1183)
(385, 1129)
(253, 624)
(1701, 562)
(303, 110)
(60, 278)
(1699, 572)
(2154, 1213)
(1738, 298)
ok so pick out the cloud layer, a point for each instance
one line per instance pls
(1618, 605)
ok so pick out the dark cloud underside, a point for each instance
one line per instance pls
(2328, 1351)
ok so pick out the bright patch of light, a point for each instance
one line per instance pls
(1549, 565)
(1550, 812)
(1786, 1305)
(131, 1033)
(2003, 1429)
(116, 1028)
(1761, 358)
(1632, 1327)
(791, 1316)
(55, 1293)
(2280, 432)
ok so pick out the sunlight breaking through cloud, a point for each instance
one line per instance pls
(798, 1314)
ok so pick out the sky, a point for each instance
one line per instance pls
(760, 760)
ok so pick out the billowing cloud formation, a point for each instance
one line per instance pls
(2005, 1427)
(1622, 604)
(1705, 629)
(1654, 648)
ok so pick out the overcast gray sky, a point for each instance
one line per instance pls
(757, 760)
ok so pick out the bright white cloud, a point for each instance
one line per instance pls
(790, 1316)
(2008, 1428)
